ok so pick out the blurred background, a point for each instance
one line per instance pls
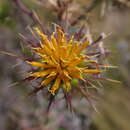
(18, 113)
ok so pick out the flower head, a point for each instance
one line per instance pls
(60, 61)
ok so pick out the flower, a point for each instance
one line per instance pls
(60, 61)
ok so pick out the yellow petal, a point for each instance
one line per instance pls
(54, 42)
(43, 37)
(60, 36)
(90, 61)
(74, 69)
(82, 47)
(74, 47)
(52, 74)
(41, 73)
(71, 40)
(66, 74)
(37, 64)
(39, 51)
(47, 81)
(76, 75)
(51, 53)
(63, 50)
(49, 61)
(76, 61)
(56, 47)
(47, 50)
(55, 86)
(92, 71)
(67, 84)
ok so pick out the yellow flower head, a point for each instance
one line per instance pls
(60, 61)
